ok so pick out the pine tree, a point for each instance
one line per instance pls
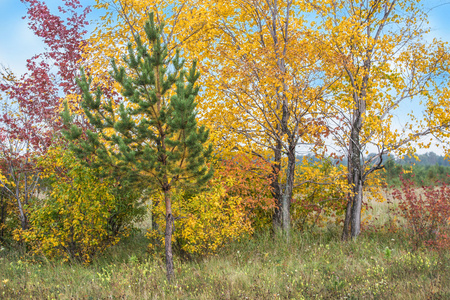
(155, 139)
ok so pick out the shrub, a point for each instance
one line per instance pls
(250, 179)
(427, 213)
(128, 207)
(321, 196)
(236, 201)
(204, 221)
(8, 217)
(72, 221)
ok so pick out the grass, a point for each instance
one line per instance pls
(313, 265)
(381, 209)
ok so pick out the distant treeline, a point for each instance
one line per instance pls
(427, 159)
(421, 174)
(429, 169)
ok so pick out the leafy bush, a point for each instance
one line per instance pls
(72, 222)
(204, 221)
(8, 217)
(128, 207)
(236, 201)
(322, 194)
(250, 179)
(427, 213)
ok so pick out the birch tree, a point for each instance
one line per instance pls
(383, 61)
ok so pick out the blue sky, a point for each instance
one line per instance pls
(17, 42)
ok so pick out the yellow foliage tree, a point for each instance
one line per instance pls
(380, 60)
(262, 86)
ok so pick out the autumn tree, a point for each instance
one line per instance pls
(382, 60)
(262, 75)
(29, 119)
(153, 135)
(265, 66)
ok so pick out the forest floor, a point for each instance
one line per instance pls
(380, 264)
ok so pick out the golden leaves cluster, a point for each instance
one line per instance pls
(206, 220)
(72, 221)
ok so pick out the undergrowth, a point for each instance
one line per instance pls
(315, 265)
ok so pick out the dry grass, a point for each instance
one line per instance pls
(378, 265)
(315, 265)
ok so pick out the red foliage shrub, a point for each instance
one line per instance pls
(427, 213)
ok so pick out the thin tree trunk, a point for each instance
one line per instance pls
(348, 217)
(356, 209)
(22, 214)
(287, 193)
(348, 209)
(168, 235)
(277, 219)
(353, 210)
(2, 218)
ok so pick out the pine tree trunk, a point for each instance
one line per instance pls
(168, 236)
